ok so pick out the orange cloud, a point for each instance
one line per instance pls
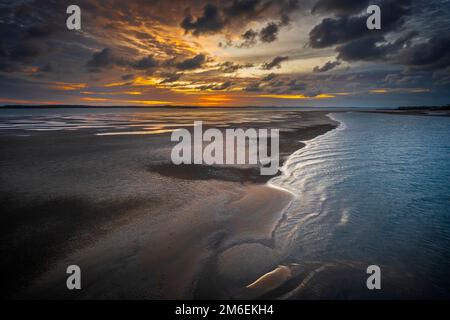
(217, 98)
(114, 84)
(149, 102)
(214, 100)
(379, 91)
(128, 102)
(32, 102)
(95, 99)
(134, 93)
(68, 86)
(141, 81)
(401, 90)
(324, 96)
(296, 96)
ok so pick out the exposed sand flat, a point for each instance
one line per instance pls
(172, 254)
(256, 214)
(271, 280)
(138, 226)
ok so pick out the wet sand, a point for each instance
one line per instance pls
(139, 227)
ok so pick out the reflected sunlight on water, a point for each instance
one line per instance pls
(130, 121)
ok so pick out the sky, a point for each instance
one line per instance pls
(225, 53)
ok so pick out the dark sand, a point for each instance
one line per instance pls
(137, 226)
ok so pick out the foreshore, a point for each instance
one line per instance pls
(138, 226)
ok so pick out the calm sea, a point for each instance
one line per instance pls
(375, 191)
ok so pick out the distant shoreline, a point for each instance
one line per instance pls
(442, 111)
(170, 107)
(404, 109)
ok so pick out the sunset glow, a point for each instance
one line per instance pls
(222, 53)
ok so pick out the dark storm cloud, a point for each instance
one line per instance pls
(217, 87)
(345, 28)
(296, 85)
(209, 22)
(23, 34)
(327, 66)
(363, 49)
(287, 8)
(332, 31)
(372, 48)
(249, 39)
(347, 32)
(404, 79)
(269, 33)
(2, 51)
(275, 63)
(41, 31)
(215, 18)
(46, 68)
(146, 63)
(269, 77)
(285, 85)
(22, 21)
(191, 63)
(246, 8)
(442, 77)
(171, 77)
(107, 59)
(340, 6)
(285, 20)
(18, 56)
(254, 87)
(24, 52)
(7, 66)
(253, 9)
(230, 67)
(276, 84)
(430, 55)
(127, 77)
(101, 59)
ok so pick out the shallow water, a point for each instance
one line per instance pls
(374, 191)
(132, 121)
